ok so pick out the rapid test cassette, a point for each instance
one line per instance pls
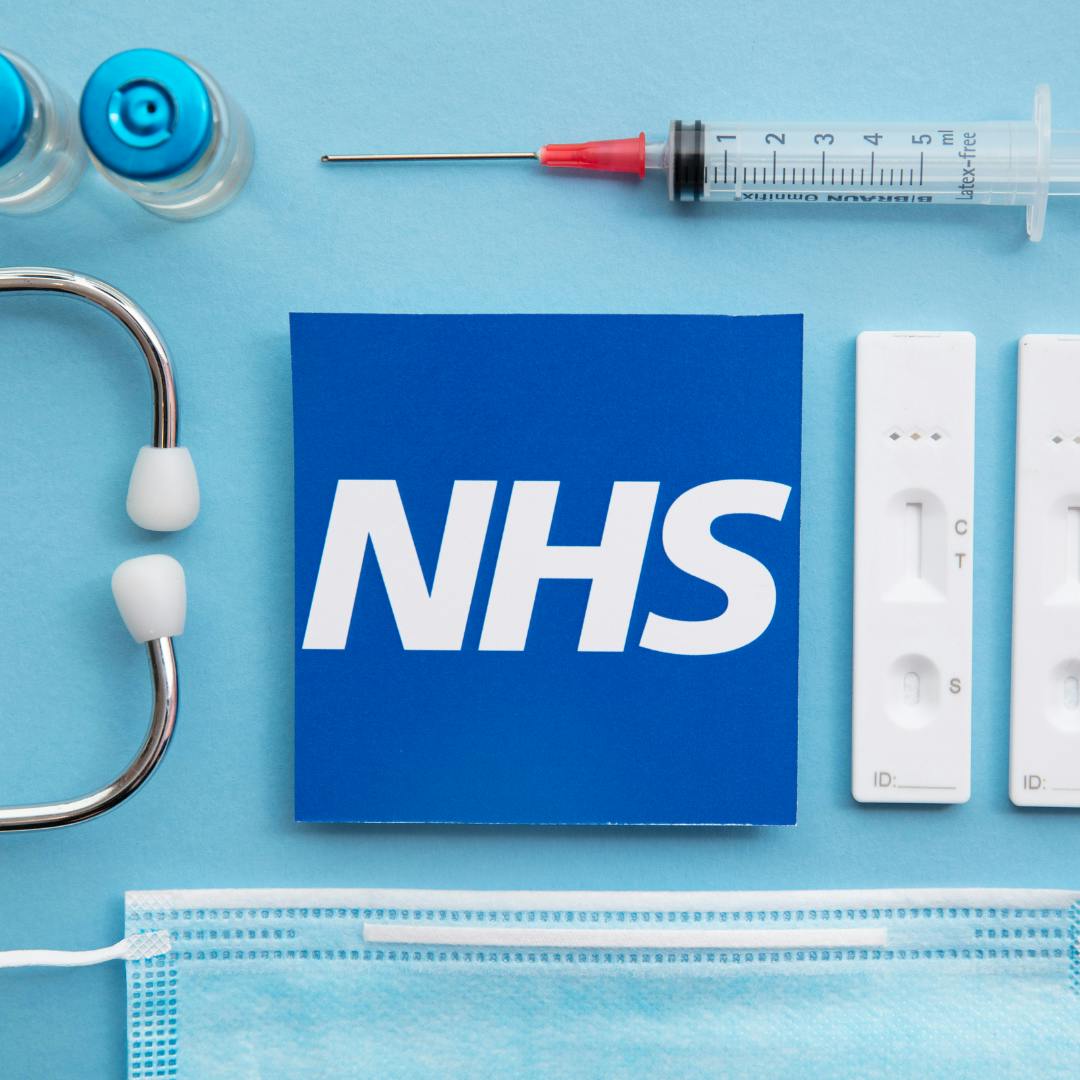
(1044, 759)
(914, 492)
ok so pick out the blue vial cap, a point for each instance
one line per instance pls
(146, 115)
(16, 110)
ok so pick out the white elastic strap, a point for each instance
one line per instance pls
(136, 947)
(550, 937)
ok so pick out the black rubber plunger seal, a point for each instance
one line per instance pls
(688, 164)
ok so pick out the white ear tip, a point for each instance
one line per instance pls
(151, 595)
(163, 494)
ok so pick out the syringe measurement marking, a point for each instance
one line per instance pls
(778, 174)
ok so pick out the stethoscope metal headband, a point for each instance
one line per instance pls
(160, 650)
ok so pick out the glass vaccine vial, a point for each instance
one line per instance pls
(161, 129)
(42, 156)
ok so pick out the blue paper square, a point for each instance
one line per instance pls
(499, 711)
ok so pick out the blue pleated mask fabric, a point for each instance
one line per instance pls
(313, 983)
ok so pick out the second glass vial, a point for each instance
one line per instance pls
(161, 129)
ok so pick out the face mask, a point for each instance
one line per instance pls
(277, 984)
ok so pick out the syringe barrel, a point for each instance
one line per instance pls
(1065, 163)
(956, 163)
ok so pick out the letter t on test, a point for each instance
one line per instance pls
(914, 490)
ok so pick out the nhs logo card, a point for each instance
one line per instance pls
(547, 568)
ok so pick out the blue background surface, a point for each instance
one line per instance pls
(324, 77)
(548, 733)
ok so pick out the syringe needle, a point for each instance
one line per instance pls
(332, 159)
(608, 155)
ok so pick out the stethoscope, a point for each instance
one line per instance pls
(150, 592)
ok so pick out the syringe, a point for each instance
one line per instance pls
(955, 163)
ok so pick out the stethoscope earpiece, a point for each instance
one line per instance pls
(151, 594)
(163, 493)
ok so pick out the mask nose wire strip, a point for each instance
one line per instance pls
(160, 651)
(136, 947)
(549, 937)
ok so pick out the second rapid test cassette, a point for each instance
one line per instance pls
(1044, 760)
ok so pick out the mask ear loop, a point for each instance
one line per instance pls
(137, 947)
(151, 589)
